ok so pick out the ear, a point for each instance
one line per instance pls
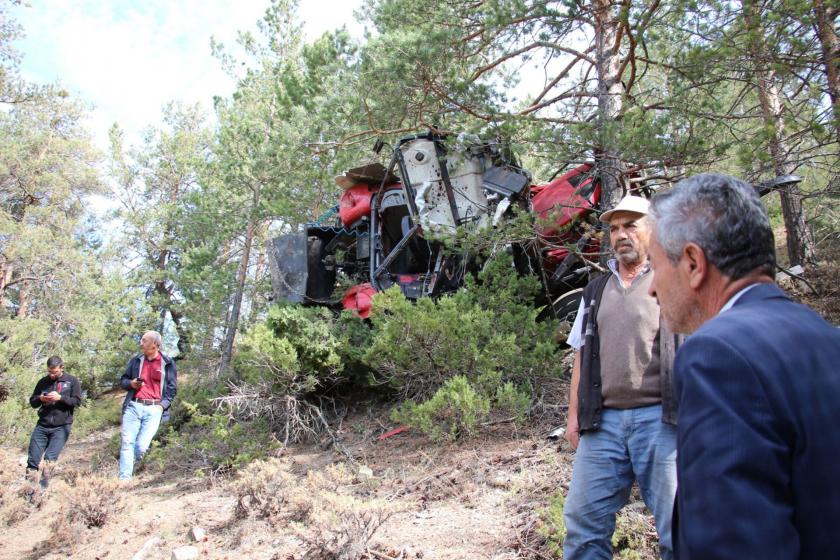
(695, 265)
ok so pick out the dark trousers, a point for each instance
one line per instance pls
(47, 443)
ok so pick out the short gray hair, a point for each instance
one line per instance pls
(155, 336)
(721, 214)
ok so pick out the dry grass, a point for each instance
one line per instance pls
(89, 501)
(262, 490)
(322, 508)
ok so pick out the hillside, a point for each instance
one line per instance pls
(478, 498)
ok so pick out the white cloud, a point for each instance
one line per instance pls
(129, 58)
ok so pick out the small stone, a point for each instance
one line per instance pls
(365, 472)
(500, 481)
(411, 552)
(197, 534)
(185, 553)
(147, 546)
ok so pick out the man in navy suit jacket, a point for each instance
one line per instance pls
(758, 383)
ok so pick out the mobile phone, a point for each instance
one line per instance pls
(139, 380)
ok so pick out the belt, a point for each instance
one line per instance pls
(147, 402)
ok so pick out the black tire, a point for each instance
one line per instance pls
(566, 306)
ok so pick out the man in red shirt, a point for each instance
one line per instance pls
(150, 379)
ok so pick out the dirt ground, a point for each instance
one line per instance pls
(482, 498)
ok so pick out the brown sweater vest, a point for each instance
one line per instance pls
(628, 321)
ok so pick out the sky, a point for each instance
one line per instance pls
(128, 58)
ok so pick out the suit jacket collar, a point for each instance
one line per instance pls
(760, 292)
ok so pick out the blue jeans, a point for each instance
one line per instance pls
(630, 444)
(140, 423)
(46, 443)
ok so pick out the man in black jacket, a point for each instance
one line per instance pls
(56, 396)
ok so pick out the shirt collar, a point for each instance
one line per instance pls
(728, 305)
(612, 264)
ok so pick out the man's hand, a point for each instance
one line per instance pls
(136, 383)
(51, 397)
(572, 426)
(572, 434)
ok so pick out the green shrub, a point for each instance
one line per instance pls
(95, 415)
(488, 332)
(453, 411)
(211, 445)
(21, 365)
(295, 350)
(466, 355)
(195, 396)
(418, 346)
(356, 336)
(551, 525)
(17, 420)
(511, 400)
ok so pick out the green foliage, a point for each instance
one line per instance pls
(296, 350)
(211, 445)
(630, 540)
(195, 396)
(552, 527)
(513, 401)
(453, 411)
(418, 345)
(462, 356)
(356, 336)
(262, 354)
(96, 415)
(157, 184)
(17, 419)
(20, 365)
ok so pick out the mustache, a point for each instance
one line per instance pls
(623, 243)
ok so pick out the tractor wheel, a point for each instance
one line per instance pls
(566, 306)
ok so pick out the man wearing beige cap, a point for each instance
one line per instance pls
(622, 414)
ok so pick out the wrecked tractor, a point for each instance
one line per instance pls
(388, 226)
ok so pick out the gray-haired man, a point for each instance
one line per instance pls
(757, 382)
(150, 379)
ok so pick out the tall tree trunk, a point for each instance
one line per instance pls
(610, 98)
(259, 270)
(800, 244)
(160, 289)
(23, 300)
(242, 275)
(184, 338)
(825, 18)
(6, 269)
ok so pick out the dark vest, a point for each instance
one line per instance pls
(590, 400)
